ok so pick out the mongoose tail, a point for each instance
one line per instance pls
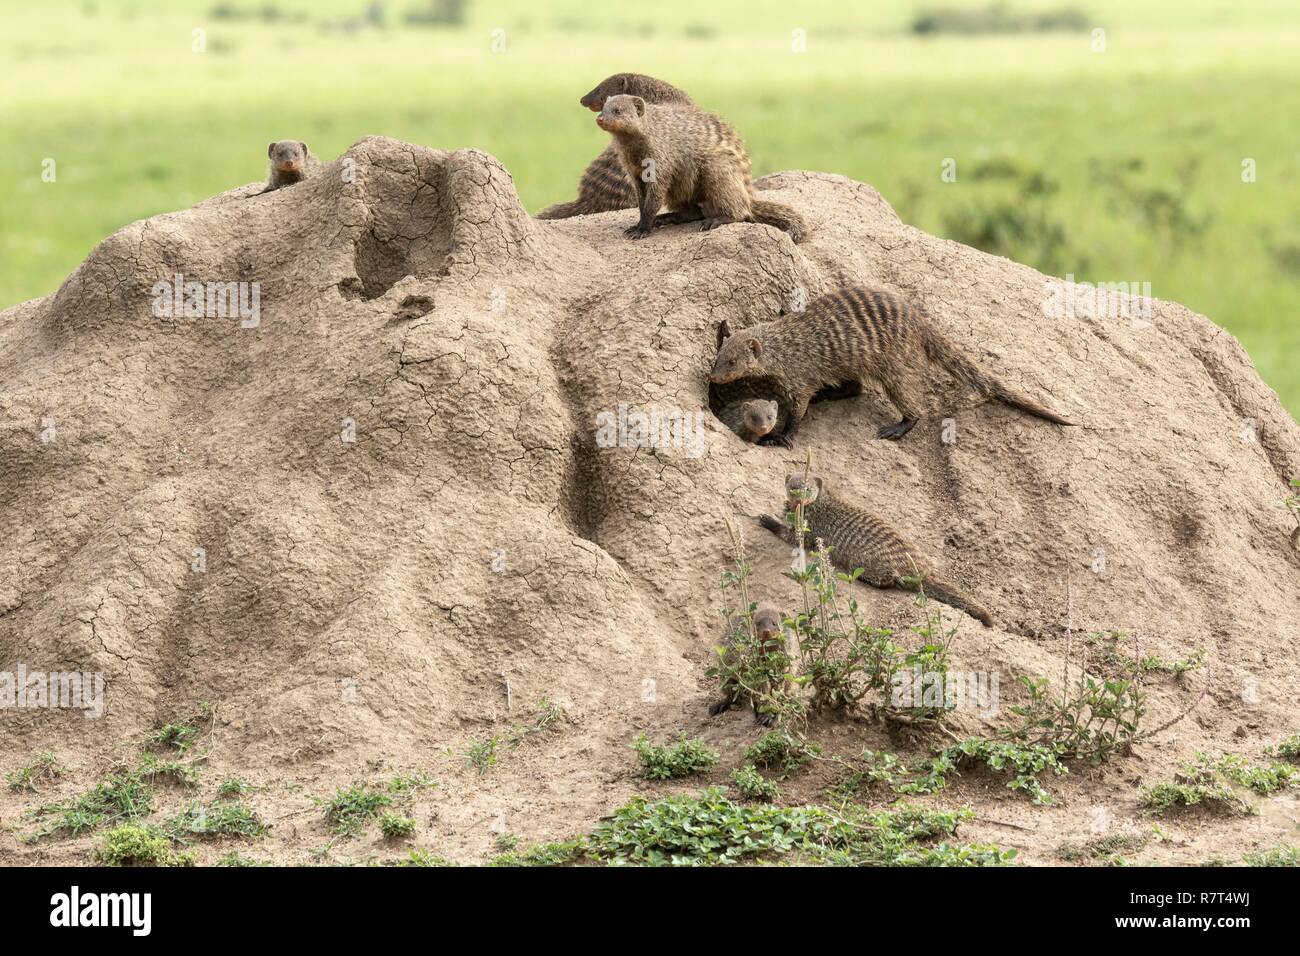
(954, 598)
(604, 187)
(944, 353)
(783, 217)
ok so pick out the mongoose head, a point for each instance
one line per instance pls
(741, 354)
(800, 490)
(288, 156)
(634, 84)
(621, 113)
(759, 416)
(767, 621)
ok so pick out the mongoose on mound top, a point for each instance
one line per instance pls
(604, 186)
(855, 335)
(291, 162)
(691, 162)
(858, 539)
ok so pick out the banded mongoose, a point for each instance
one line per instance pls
(291, 162)
(751, 418)
(691, 162)
(858, 539)
(604, 186)
(771, 640)
(855, 334)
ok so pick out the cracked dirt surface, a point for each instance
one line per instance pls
(474, 533)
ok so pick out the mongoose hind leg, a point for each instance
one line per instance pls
(896, 430)
(900, 389)
(720, 706)
(678, 216)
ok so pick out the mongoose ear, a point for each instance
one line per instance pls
(639, 104)
(756, 347)
(270, 151)
(818, 483)
(304, 148)
(724, 332)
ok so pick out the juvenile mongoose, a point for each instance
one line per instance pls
(291, 162)
(858, 539)
(691, 162)
(751, 418)
(604, 185)
(771, 640)
(854, 335)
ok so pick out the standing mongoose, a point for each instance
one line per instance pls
(604, 186)
(776, 654)
(751, 418)
(858, 539)
(690, 161)
(291, 162)
(854, 335)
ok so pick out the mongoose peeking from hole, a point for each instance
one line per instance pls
(604, 186)
(851, 337)
(750, 419)
(691, 162)
(771, 640)
(291, 162)
(858, 539)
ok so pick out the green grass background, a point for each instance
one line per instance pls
(1131, 158)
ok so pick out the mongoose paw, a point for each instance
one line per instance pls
(785, 441)
(764, 720)
(896, 430)
(774, 525)
(719, 707)
(637, 232)
(713, 222)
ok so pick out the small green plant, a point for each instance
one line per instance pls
(395, 826)
(1262, 779)
(751, 784)
(134, 844)
(216, 820)
(682, 759)
(43, 767)
(181, 735)
(1278, 856)
(419, 857)
(482, 754)
(1288, 749)
(403, 787)
(233, 787)
(184, 772)
(235, 858)
(1171, 795)
(542, 854)
(351, 808)
(779, 749)
(1107, 850)
(121, 797)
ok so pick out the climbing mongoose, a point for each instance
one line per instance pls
(690, 161)
(291, 162)
(604, 185)
(854, 335)
(858, 539)
(771, 641)
(751, 418)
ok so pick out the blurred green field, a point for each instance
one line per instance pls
(1117, 166)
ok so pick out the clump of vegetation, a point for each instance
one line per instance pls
(43, 767)
(419, 857)
(396, 826)
(482, 754)
(134, 844)
(682, 759)
(710, 829)
(543, 854)
(122, 797)
(181, 735)
(779, 749)
(235, 858)
(1288, 749)
(216, 820)
(752, 785)
(351, 808)
(233, 787)
(1214, 784)
(1108, 850)
(1278, 856)
(184, 772)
